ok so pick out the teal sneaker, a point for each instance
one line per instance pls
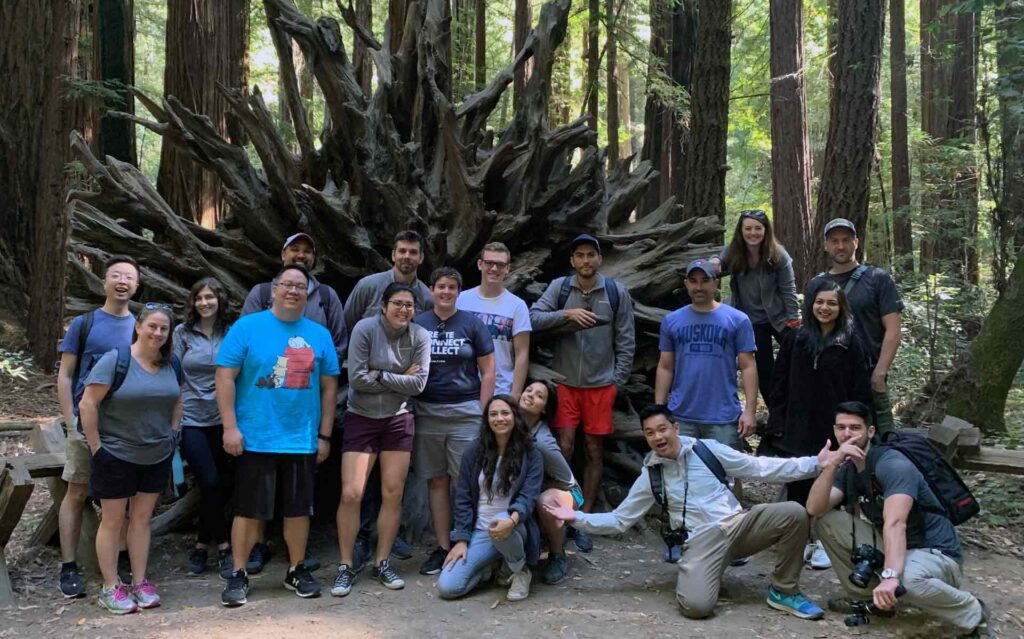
(796, 605)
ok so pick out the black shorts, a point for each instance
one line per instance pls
(269, 483)
(114, 478)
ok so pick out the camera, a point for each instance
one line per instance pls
(674, 540)
(866, 561)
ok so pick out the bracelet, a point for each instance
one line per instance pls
(323, 438)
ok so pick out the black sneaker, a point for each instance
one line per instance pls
(196, 564)
(360, 554)
(584, 542)
(311, 562)
(983, 630)
(124, 567)
(258, 558)
(387, 576)
(225, 563)
(299, 581)
(343, 581)
(235, 589)
(71, 584)
(434, 562)
(401, 549)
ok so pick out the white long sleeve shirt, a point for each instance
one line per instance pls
(708, 501)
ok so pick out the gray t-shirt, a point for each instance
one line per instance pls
(198, 356)
(896, 475)
(749, 284)
(135, 422)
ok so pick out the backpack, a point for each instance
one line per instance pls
(124, 361)
(958, 504)
(656, 473)
(850, 283)
(610, 287)
(326, 304)
(83, 337)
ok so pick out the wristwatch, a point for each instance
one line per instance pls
(889, 573)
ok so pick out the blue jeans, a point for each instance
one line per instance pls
(460, 578)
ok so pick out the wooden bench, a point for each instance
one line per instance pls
(15, 489)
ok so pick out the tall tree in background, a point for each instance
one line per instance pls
(480, 48)
(612, 82)
(677, 122)
(206, 46)
(622, 83)
(903, 245)
(396, 17)
(360, 53)
(1010, 63)
(115, 60)
(522, 20)
(655, 106)
(704, 192)
(38, 49)
(463, 35)
(593, 60)
(791, 156)
(850, 145)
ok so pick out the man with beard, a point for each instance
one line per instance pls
(876, 305)
(921, 547)
(592, 319)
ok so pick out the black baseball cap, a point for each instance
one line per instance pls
(582, 239)
(840, 223)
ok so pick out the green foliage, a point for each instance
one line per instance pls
(103, 95)
(15, 364)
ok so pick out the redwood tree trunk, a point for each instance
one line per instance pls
(206, 45)
(653, 150)
(1011, 89)
(850, 146)
(791, 157)
(684, 46)
(612, 83)
(480, 58)
(115, 51)
(903, 245)
(521, 23)
(593, 61)
(360, 54)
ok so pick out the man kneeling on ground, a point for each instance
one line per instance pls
(702, 509)
(921, 547)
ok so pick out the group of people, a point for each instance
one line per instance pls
(437, 382)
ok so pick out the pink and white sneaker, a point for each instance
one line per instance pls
(145, 595)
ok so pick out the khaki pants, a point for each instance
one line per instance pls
(931, 578)
(783, 525)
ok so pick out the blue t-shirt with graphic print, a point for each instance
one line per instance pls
(706, 346)
(455, 345)
(277, 391)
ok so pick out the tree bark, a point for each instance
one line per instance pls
(206, 46)
(593, 61)
(623, 87)
(360, 52)
(115, 51)
(850, 145)
(1010, 63)
(791, 157)
(903, 245)
(396, 22)
(480, 48)
(676, 124)
(706, 161)
(612, 83)
(521, 22)
(653, 150)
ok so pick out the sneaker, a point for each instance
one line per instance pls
(360, 555)
(584, 542)
(401, 549)
(124, 567)
(819, 558)
(196, 564)
(145, 595)
(556, 570)
(299, 581)
(503, 575)
(796, 605)
(258, 558)
(311, 562)
(520, 587)
(434, 562)
(739, 561)
(809, 551)
(235, 589)
(71, 584)
(117, 599)
(387, 576)
(343, 581)
(225, 564)
(983, 630)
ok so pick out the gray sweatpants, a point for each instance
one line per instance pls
(783, 525)
(931, 578)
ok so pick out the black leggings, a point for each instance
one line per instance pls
(203, 449)
(765, 356)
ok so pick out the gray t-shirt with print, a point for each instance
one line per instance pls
(135, 422)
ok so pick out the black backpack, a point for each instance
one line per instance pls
(124, 361)
(958, 504)
(611, 289)
(656, 472)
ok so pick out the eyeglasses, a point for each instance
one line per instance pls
(405, 306)
(489, 265)
(121, 277)
(756, 214)
(291, 287)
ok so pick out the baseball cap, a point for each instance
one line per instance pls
(840, 223)
(585, 239)
(292, 239)
(705, 265)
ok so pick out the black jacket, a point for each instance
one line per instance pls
(806, 388)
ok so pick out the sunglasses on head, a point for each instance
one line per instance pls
(756, 214)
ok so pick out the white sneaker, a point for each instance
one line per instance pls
(819, 558)
(809, 551)
(520, 588)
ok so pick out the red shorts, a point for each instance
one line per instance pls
(592, 406)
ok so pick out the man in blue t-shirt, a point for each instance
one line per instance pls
(701, 345)
(277, 378)
(89, 336)
(450, 408)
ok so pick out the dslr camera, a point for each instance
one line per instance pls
(867, 560)
(674, 540)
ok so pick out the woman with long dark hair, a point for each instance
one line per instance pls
(762, 285)
(500, 479)
(131, 432)
(196, 343)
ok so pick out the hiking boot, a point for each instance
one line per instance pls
(258, 558)
(556, 570)
(145, 595)
(584, 542)
(299, 581)
(71, 584)
(117, 599)
(225, 564)
(197, 559)
(520, 586)
(401, 549)
(819, 558)
(387, 576)
(343, 581)
(796, 605)
(360, 555)
(235, 589)
(983, 630)
(434, 562)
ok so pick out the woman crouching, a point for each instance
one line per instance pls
(499, 481)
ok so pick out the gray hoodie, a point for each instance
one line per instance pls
(377, 346)
(595, 357)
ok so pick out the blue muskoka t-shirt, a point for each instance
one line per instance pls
(706, 346)
(455, 345)
(277, 391)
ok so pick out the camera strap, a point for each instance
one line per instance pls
(655, 474)
(853, 495)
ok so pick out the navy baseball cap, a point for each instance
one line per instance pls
(840, 223)
(579, 240)
(705, 265)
